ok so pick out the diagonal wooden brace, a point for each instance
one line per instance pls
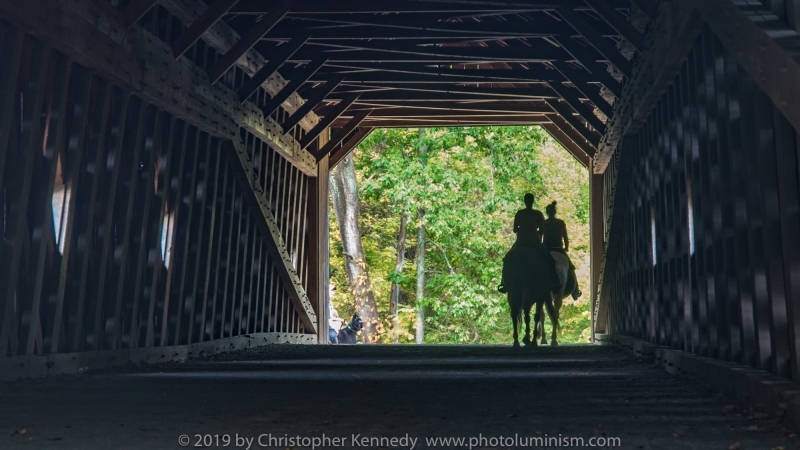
(245, 174)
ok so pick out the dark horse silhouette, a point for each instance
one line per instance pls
(527, 279)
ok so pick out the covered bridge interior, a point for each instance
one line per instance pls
(164, 165)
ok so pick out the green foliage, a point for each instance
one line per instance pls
(464, 185)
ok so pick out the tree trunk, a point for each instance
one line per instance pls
(398, 268)
(420, 332)
(344, 192)
(420, 281)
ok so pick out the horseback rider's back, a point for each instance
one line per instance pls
(554, 233)
(527, 224)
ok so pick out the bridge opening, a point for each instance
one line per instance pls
(434, 208)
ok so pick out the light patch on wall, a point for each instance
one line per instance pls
(653, 239)
(167, 231)
(60, 206)
(690, 212)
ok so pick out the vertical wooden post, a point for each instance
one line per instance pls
(318, 247)
(597, 238)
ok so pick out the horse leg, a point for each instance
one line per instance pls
(552, 311)
(538, 319)
(547, 303)
(527, 339)
(514, 318)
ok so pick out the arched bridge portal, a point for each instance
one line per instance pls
(163, 163)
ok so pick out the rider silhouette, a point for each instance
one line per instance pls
(554, 237)
(528, 226)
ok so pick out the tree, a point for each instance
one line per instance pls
(344, 192)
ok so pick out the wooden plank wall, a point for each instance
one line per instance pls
(715, 187)
(123, 226)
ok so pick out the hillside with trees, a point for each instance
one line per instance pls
(432, 211)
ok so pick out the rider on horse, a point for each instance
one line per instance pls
(554, 237)
(528, 224)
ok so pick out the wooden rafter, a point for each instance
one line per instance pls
(596, 40)
(572, 98)
(276, 60)
(451, 108)
(342, 133)
(221, 37)
(571, 146)
(618, 23)
(328, 118)
(402, 51)
(137, 9)
(581, 135)
(291, 88)
(355, 138)
(316, 97)
(189, 36)
(443, 77)
(649, 7)
(261, 28)
(580, 78)
(323, 7)
(587, 60)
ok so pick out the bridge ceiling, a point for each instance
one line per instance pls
(402, 63)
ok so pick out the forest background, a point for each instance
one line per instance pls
(449, 195)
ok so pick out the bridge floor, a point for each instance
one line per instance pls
(382, 391)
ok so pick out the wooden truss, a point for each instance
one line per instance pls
(423, 63)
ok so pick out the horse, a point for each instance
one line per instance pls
(527, 281)
(568, 283)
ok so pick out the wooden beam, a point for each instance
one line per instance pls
(394, 50)
(475, 121)
(410, 108)
(348, 145)
(587, 60)
(618, 22)
(328, 118)
(276, 245)
(318, 232)
(323, 7)
(137, 9)
(261, 28)
(94, 34)
(616, 213)
(190, 35)
(317, 96)
(649, 7)
(442, 77)
(572, 98)
(582, 80)
(394, 26)
(596, 40)
(277, 100)
(460, 110)
(567, 113)
(656, 70)
(597, 237)
(342, 133)
(434, 96)
(267, 70)
(566, 127)
(487, 92)
(571, 146)
(221, 37)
